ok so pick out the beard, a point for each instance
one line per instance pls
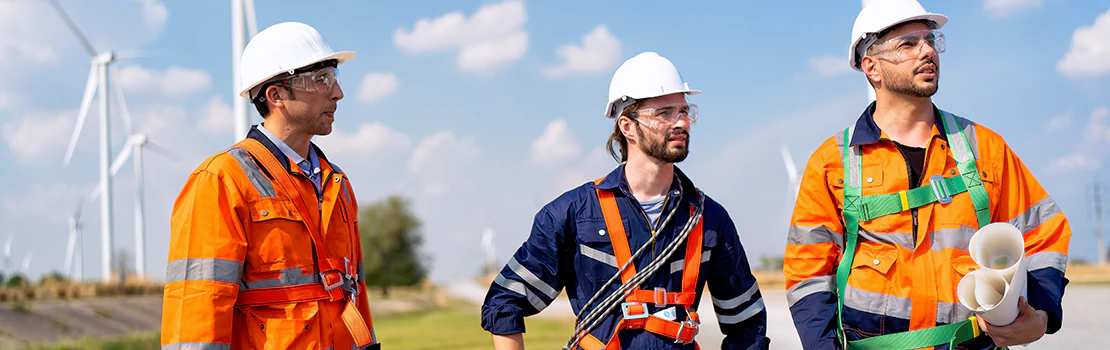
(658, 148)
(315, 125)
(906, 86)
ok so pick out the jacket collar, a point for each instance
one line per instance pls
(257, 135)
(616, 179)
(867, 132)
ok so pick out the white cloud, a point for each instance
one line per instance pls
(599, 52)
(377, 86)
(19, 36)
(155, 13)
(217, 117)
(7, 100)
(39, 137)
(1002, 8)
(370, 143)
(829, 65)
(1073, 162)
(1059, 122)
(174, 82)
(491, 37)
(1090, 50)
(1098, 129)
(556, 147)
(440, 160)
(32, 31)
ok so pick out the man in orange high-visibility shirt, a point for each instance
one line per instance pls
(879, 237)
(264, 247)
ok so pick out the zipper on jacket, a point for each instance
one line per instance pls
(909, 171)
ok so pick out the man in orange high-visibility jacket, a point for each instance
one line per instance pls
(264, 247)
(910, 254)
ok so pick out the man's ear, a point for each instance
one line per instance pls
(627, 127)
(870, 68)
(276, 96)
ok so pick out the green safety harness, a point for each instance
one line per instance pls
(858, 207)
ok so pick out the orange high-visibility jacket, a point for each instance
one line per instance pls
(243, 270)
(907, 265)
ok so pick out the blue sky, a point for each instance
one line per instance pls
(481, 112)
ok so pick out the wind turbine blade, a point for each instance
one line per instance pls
(86, 103)
(161, 150)
(27, 262)
(791, 167)
(124, 153)
(8, 245)
(252, 22)
(73, 27)
(71, 242)
(118, 91)
(93, 195)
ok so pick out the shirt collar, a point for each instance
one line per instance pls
(289, 152)
(616, 179)
(867, 132)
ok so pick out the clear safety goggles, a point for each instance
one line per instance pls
(662, 117)
(320, 80)
(909, 45)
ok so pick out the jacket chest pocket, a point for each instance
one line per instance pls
(872, 182)
(277, 237)
(595, 262)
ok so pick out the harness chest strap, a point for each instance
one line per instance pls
(634, 310)
(332, 271)
(864, 208)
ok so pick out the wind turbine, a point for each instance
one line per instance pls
(488, 249)
(794, 181)
(136, 143)
(243, 27)
(98, 81)
(27, 266)
(8, 255)
(870, 89)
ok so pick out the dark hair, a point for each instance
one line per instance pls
(618, 137)
(259, 98)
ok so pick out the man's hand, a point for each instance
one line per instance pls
(1029, 326)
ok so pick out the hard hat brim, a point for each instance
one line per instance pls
(938, 19)
(341, 56)
(614, 105)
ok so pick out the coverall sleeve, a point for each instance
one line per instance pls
(207, 250)
(363, 298)
(813, 247)
(736, 297)
(531, 279)
(1025, 204)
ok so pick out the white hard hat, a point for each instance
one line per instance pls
(878, 16)
(282, 48)
(646, 75)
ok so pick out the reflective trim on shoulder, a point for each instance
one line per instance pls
(1036, 215)
(753, 309)
(600, 256)
(855, 155)
(531, 278)
(814, 235)
(204, 269)
(680, 264)
(957, 144)
(1042, 260)
(877, 303)
(519, 288)
(809, 286)
(196, 346)
(254, 174)
(289, 277)
(953, 237)
(737, 301)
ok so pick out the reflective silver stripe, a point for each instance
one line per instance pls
(531, 278)
(196, 346)
(1036, 215)
(969, 133)
(814, 235)
(951, 312)
(254, 174)
(1048, 259)
(753, 309)
(737, 301)
(598, 255)
(361, 273)
(204, 269)
(809, 286)
(854, 160)
(519, 288)
(289, 277)
(954, 238)
(903, 239)
(680, 264)
(877, 303)
(958, 145)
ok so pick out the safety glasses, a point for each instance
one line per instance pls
(909, 45)
(320, 80)
(665, 116)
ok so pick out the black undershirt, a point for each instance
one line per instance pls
(915, 158)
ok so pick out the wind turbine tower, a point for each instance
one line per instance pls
(243, 27)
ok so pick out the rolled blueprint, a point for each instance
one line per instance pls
(992, 291)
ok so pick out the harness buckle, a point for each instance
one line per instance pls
(940, 189)
(690, 325)
(660, 295)
(324, 280)
(634, 315)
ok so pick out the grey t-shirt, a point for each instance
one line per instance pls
(653, 208)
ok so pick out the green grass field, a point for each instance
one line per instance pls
(457, 326)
